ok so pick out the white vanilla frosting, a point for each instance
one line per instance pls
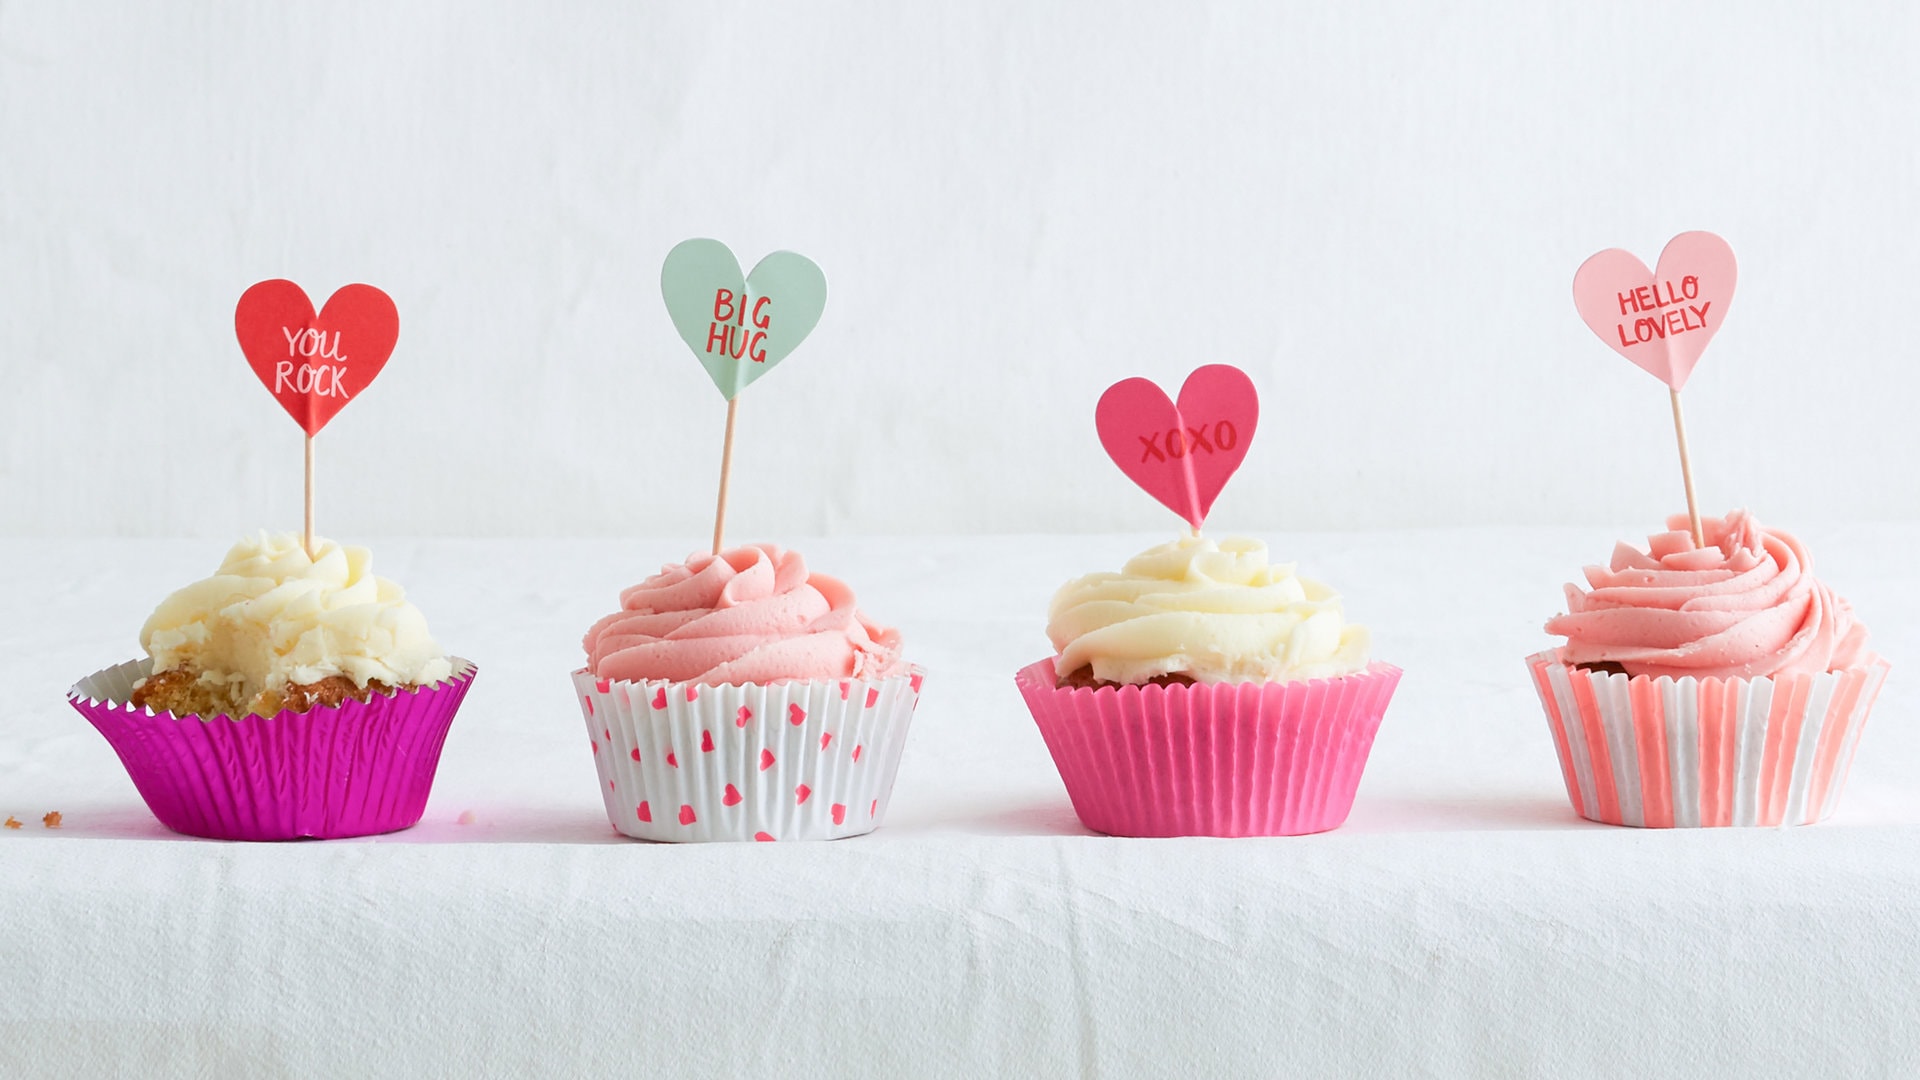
(271, 616)
(1215, 612)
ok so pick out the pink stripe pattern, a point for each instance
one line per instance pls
(1685, 753)
(1240, 759)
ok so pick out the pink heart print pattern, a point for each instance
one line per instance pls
(1661, 319)
(1181, 452)
(748, 780)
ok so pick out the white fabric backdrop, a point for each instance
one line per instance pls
(1462, 923)
(1376, 209)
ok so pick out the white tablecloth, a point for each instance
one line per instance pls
(1462, 922)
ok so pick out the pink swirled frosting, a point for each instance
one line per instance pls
(750, 614)
(1746, 605)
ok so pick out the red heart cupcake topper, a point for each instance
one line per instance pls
(1181, 453)
(314, 364)
(1661, 319)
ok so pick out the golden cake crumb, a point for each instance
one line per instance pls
(1082, 678)
(330, 691)
(182, 693)
(172, 691)
(52, 820)
(12, 822)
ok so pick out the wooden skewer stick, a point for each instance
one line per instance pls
(726, 472)
(1686, 472)
(308, 542)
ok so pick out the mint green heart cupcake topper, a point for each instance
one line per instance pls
(740, 327)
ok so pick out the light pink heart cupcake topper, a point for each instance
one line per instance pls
(1661, 319)
(1181, 453)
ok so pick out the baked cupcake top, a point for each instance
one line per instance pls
(750, 614)
(1744, 606)
(271, 616)
(1210, 612)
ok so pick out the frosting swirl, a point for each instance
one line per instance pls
(1214, 612)
(271, 616)
(1745, 605)
(750, 614)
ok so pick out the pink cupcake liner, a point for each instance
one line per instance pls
(805, 760)
(1226, 759)
(352, 770)
(1684, 753)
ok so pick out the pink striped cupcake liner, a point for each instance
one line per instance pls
(1226, 759)
(805, 760)
(1684, 753)
(355, 769)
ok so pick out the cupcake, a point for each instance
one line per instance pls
(285, 696)
(1719, 684)
(1205, 691)
(740, 696)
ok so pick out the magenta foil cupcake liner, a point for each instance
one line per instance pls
(691, 762)
(1225, 759)
(352, 770)
(1665, 753)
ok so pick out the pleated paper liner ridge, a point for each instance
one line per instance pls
(1222, 759)
(355, 769)
(803, 760)
(1685, 753)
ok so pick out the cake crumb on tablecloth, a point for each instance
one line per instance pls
(52, 820)
(12, 822)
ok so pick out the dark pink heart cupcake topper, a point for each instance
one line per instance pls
(1181, 452)
(1661, 319)
(315, 363)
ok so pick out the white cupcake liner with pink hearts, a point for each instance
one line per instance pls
(1685, 753)
(808, 760)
